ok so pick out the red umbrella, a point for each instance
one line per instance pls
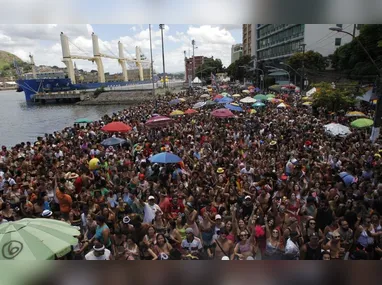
(158, 121)
(222, 113)
(190, 111)
(117, 127)
(218, 97)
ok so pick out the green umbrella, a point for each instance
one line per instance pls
(36, 239)
(275, 87)
(225, 94)
(260, 97)
(83, 121)
(270, 96)
(362, 123)
(258, 104)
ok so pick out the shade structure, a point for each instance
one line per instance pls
(282, 106)
(83, 121)
(225, 94)
(205, 96)
(362, 123)
(236, 95)
(113, 142)
(252, 111)
(198, 105)
(165, 157)
(210, 102)
(225, 100)
(177, 113)
(248, 100)
(275, 101)
(36, 239)
(245, 91)
(270, 95)
(233, 107)
(355, 114)
(190, 111)
(307, 103)
(218, 97)
(174, 102)
(117, 127)
(258, 104)
(306, 98)
(159, 121)
(337, 130)
(261, 97)
(222, 113)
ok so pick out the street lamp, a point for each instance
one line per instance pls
(161, 27)
(378, 109)
(275, 68)
(295, 72)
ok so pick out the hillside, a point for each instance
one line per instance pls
(6, 64)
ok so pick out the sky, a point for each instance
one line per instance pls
(43, 42)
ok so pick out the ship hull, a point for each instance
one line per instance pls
(31, 87)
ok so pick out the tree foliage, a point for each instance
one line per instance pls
(240, 69)
(335, 99)
(312, 60)
(209, 65)
(353, 60)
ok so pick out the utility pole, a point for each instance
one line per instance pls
(161, 27)
(193, 59)
(303, 67)
(354, 27)
(152, 66)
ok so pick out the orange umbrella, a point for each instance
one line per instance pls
(190, 111)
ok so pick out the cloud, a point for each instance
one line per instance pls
(134, 28)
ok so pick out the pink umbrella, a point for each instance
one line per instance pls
(158, 121)
(222, 113)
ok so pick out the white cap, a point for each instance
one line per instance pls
(247, 197)
(151, 198)
(217, 217)
(225, 258)
(294, 161)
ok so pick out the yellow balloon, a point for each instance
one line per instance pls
(94, 164)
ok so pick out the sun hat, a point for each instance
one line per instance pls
(46, 213)
(220, 170)
(189, 231)
(272, 143)
(151, 198)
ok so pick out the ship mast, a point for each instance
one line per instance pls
(34, 73)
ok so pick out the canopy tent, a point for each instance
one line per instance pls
(196, 80)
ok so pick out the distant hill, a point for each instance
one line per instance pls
(6, 64)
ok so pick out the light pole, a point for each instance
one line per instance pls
(295, 72)
(193, 59)
(152, 65)
(161, 27)
(275, 68)
(303, 67)
(378, 108)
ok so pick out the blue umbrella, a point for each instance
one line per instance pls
(225, 100)
(233, 107)
(258, 104)
(174, 102)
(113, 141)
(165, 157)
(347, 178)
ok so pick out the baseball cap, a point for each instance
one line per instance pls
(151, 198)
(247, 197)
(218, 217)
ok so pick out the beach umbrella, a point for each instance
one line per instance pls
(225, 100)
(205, 96)
(198, 105)
(115, 127)
(252, 111)
(306, 98)
(245, 91)
(307, 103)
(165, 157)
(222, 113)
(210, 102)
(158, 121)
(270, 95)
(113, 141)
(275, 87)
(36, 239)
(174, 102)
(362, 123)
(355, 114)
(248, 100)
(190, 111)
(337, 129)
(225, 94)
(260, 97)
(233, 107)
(282, 105)
(236, 95)
(182, 99)
(275, 101)
(83, 121)
(176, 113)
(258, 104)
(218, 97)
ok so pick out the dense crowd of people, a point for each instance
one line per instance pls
(262, 185)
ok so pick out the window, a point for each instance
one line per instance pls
(338, 42)
(339, 25)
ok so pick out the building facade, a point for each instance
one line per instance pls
(249, 39)
(188, 62)
(236, 52)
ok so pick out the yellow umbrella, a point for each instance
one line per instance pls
(306, 98)
(236, 95)
(252, 111)
(245, 91)
(355, 114)
(307, 103)
(176, 113)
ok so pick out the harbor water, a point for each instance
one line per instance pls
(21, 122)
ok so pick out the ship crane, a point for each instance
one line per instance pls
(97, 58)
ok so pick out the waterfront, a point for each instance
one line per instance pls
(20, 122)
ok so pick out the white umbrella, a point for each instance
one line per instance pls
(248, 100)
(337, 129)
(205, 96)
(198, 105)
(282, 105)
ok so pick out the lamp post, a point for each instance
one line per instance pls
(161, 27)
(378, 109)
(152, 66)
(295, 72)
(303, 67)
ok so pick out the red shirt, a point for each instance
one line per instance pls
(213, 210)
(174, 210)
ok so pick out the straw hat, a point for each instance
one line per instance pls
(220, 170)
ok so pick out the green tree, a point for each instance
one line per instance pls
(209, 65)
(241, 68)
(312, 60)
(335, 99)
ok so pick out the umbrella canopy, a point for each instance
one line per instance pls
(190, 111)
(248, 100)
(36, 239)
(270, 95)
(225, 94)
(83, 121)
(159, 121)
(222, 113)
(258, 104)
(275, 87)
(337, 129)
(174, 102)
(210, 102)
(113, 142)
(236, 95)
(306, 98)
(307, 103)
(275, 101)
(165, 157)
(260, 97)
(362, 123)
(115, 127)
(225, 100)
(205, 96)
(245, 91)
(355, 114)
(217, 97)
(282, 105)
(176, 113)
(252, 111)
(233, 107)
(198, 105)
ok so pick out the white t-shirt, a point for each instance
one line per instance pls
(150, 212)
(105, 256)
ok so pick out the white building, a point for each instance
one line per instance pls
(236, 52)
